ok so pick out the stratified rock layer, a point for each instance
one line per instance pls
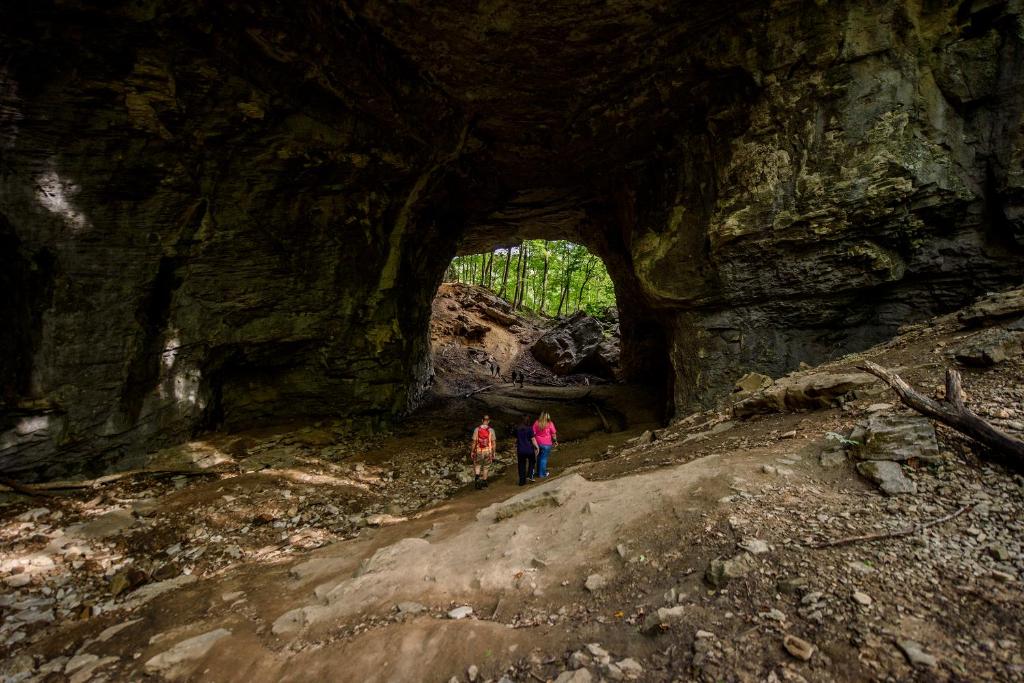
(222, 214)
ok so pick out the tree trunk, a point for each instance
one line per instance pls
(524, 265)
(504, 275)
(563, 299)
(587, 274)
(490, 270)
(519, 264)
(544, 281)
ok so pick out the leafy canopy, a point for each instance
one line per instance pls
(547, 277)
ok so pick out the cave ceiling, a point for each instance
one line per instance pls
(560, 95)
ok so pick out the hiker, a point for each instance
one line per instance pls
(482, 451)
(547, 438)
(494, 367)
(515, 377)
(526, 450)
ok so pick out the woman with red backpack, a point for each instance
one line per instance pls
(482, 451)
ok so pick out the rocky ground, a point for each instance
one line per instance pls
(471, 325)
(705, 550)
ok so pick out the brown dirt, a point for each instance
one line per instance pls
(297, 503)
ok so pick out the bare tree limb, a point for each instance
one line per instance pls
(951, 411)
(23, 489)
(477, 391)
(892, 534)
(43, 488)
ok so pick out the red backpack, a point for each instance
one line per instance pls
(483, 438)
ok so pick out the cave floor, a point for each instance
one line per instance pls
(307, 557)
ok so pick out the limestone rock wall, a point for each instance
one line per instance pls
(870, 175)
(205, 218)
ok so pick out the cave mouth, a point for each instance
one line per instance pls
(558, 308)
(542, 311)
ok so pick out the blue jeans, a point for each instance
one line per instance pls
(542, 461)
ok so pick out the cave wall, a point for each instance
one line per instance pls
(205, 221)
(868, 174)
(222, 214)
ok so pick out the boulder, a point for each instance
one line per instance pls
(604, 361)
(815, 391)
(896, 437)
(663, 618)
(993, 308)
(989, 348)
(570, 343)
(753, 381)
(720, 571)
(888, 475)
(175, 663)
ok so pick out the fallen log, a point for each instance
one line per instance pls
(477, 391)
(43, 488)
(951, 411)
(892, 534)
(24, 490)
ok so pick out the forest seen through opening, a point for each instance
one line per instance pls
(548, 277)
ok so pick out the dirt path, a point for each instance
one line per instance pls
(682, 553)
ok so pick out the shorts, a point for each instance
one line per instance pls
(487, 456)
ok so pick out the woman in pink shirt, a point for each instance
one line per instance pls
(547, 437)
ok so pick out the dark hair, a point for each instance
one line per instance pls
(524, 420)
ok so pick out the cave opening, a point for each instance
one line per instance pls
(542, 311)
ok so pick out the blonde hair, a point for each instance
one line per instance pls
(543, 420)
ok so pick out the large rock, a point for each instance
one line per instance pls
(888, 475)
(990, 347)
(177, 662)
(895, 437)
(570, 343)
(803, 392)
(994, 308)
(720, 572)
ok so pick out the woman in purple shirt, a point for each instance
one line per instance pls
(547, 438)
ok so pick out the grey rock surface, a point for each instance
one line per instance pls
(569, 344)
(888, 475)
(899, 438)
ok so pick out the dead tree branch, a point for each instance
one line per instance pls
(892, 534)
(477, 391)
(951, 411)
(44, 488)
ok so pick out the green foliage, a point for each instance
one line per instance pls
(575, 278)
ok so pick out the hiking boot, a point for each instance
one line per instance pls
(483, 483)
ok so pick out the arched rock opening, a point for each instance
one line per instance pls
(220, 214)
(551, 214)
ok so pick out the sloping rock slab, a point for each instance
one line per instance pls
(896, 437)
(807, 392)
(993, 308)
(176, 662)
(990, 347)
